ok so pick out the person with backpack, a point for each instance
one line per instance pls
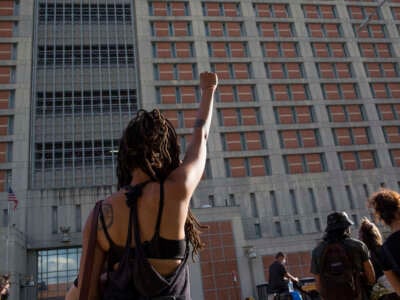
(136, 242)
(340, 263)
(386, 206)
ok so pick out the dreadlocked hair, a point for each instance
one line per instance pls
(150, 143)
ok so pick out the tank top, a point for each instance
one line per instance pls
(157, 247)
(146, 282)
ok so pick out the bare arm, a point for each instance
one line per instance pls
(193, 164)
(291, 277)
(369, 272)
(98, 262)
(394, 280)
(72, 294)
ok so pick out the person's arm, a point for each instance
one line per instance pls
(291, 277)
(394, 280)
(98, 262)
(73, 293)
(189, 173)
(369, 272)
(5, 289)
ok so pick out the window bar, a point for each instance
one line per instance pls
(72, 157)
(135, 104)
(63, 102)
(44, 116)
(34, 96)
(54, 118)
(102, 114)
(82, 150)
(92, 116)
(109, 76)
(118, 66)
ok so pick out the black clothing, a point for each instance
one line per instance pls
(157, 247)
(136, 278)
(391, 259)
(277, 282)
(376, 262)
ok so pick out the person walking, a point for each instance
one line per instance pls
(386, 206)
(144, 229)
(340, 263)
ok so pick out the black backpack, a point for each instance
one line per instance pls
(339, 278)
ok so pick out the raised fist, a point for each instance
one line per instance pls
(208, 80)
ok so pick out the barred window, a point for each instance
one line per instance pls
(68, 102)
(68, 154)
(85, 54)
(69, 13)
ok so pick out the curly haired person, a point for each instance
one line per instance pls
(155, 189)
(386, 206)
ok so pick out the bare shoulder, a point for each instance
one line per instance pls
(176, 190)
(108, 208)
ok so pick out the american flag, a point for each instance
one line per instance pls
(12, 198)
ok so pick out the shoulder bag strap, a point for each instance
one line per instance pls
(87, 271)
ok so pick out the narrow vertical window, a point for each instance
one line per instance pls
(5, 218)
(299, 230)
(331, 198)
(312, 200)
(293, 201)
(349, 196)
(257, 229)
(78, 218)
(232, 201)
(274, 204)
(208, 169)
(253, 205)
(278, 228)
(211, 200)
(54, 219)
(317, 223)
(366, 191)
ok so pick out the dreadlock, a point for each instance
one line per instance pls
(150, 143)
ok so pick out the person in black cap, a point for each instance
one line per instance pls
(351, 255)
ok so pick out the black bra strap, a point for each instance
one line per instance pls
(103, 224)
(160, 209)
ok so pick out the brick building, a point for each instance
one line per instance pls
(306, 121)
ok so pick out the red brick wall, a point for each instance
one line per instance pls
(218, 262)
(5, 74)
(6, 8)
(4, 99)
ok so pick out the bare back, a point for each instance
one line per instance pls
(116, 214)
